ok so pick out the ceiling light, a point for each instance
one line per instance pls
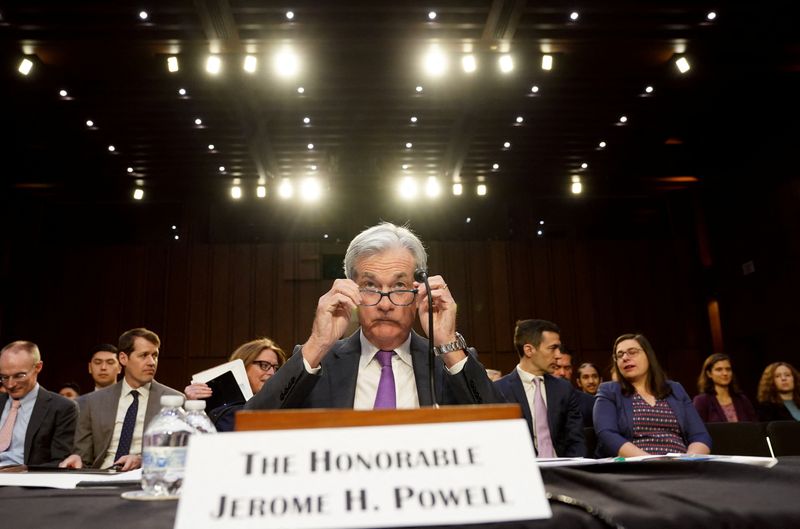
(290, 15)
(711, 15)
(539, 233)
(405, 166)
(210, 146)
(623, 119)
(648, 89)
(584, 165)
(495, 166)
(506, 63)
(458, 189)
(547, 62)
(174, 227)
(213, 64)
(431, 15)
(181, 91)
(250, 64)
(468, 63)
(25, 66)
(574, 16)
(541, 223)
(325, 236)
(143, 15)
(130, 169)
(236, 192)
(576, 188)
(602, 145)
(172, 64)
(261, 191)
(435, 62)
(534, 89)
(221, 168)
(111, 148)
(63, 93)
(306, 120)
(507, 145)
(310, 146)
(313, 167)
(310, 190)
(432, 187)
(468, 220)
(481, 189)
(520, 119)
(413, 119)
(138, 193)
(409, 145)
(408, 188)
(418, 89)
(301, 90)
(89, 123)
(177, 237)
(683, 65)
(285, 189)
(286, 63)
(198, 121)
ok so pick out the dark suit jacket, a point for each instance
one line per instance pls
(586, 405)
(710, 409)
(97, 417)
(769, 411)
(48, 438)
(335, 387)
(613, 418)
(563, 414)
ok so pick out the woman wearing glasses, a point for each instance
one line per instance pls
(261, 357)
(644, 413)
(720, 399)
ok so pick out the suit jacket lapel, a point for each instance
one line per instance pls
(153, 402)
(107, 414)
(519, 394)
(343, 372)
(420, 362)
(553, 397)
(37, 416)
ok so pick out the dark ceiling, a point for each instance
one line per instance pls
(360, 66)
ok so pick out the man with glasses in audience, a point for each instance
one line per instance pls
(36, 426)
(384, 364)
(112, 420)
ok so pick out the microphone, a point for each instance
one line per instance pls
(421, 276)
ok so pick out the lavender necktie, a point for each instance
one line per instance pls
(544, 444)
(386, 396)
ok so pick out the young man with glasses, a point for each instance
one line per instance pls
(384, 364)
(36, 426)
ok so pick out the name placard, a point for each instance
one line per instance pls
(376, 476)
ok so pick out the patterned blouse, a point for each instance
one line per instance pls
(655, 428)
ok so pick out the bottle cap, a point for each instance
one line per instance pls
(193, 405)
(172, 401)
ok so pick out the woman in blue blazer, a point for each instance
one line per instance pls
(643, 412)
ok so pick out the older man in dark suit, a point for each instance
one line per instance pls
(384, 364)
(36, 425)
(113, 419)
(549, 404)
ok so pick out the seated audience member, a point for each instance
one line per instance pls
(70, 390)
(779, 393)
(588, 378)
(563, 366)
(112, 420)
(104, 365)
(563, 369)
(262, 358)
(644, 413)
(549, 403)
(385, 363)
(720, 399)
(36, 425)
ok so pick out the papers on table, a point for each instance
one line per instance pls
(64, 479)
(228, 382)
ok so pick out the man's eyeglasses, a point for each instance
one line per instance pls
(632, 353)
(16, 377)
(371, 297)
(265, 366)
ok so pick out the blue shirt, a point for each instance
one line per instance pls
(15, 455)
(793, 409)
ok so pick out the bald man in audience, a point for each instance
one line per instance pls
(113, 419)
(36, 425)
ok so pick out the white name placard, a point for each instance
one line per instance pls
(378, 476)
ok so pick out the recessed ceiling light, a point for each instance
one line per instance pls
(468, 220)
(301, 90)
(285, 189)
(602, 145)
(325, 236)
(623, 119)
(507, 145)
(313, 167)
(63, 93)
(431, 15)
(432, 187)
(495, 166)
(539, 233)
(520, 119)
(683, 65)
(418, 89)
(458, 189)
(481, 189)
(198, 121)
(143, 15)
(130, 169)
(210, 146)
(89, 123)
(408, 188)
(111, 148)
(535, 89)
(172, 64)
(547, 62)
(648, 89)
(250, 64)
(177, 237)
(181, 91)
(541, 223)
(290, 15)
(584, 165)
(574, 16)
(213, 64)
(711, 15)
(409, 145)
(506, 63)
(236, 192)
(286, 63)
(435, 61)
(138, 193)
(174, 227)
(468, 63)
(261, 191)
(221, 168)
(310, 146)
(306, 120)
(413, 119)
(405, 167)
(25, 66)
(576, 188)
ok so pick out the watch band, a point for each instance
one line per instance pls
(458, 344)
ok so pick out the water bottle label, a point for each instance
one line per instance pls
(163, 457)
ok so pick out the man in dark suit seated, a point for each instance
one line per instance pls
(112, 420)
(384, 364)
(541, 395)
(36, 425)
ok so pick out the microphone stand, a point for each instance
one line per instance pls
(421, 276)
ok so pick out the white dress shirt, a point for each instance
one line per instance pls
(125, 400)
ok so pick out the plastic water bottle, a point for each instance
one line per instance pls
(196, 417)
(164, 449)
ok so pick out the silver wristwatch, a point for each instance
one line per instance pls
(445, 348)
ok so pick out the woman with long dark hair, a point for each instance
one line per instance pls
(642, 412)
(719, 398)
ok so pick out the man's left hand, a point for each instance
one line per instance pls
(444, 315)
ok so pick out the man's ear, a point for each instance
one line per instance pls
(123, 358)
(528, 349)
